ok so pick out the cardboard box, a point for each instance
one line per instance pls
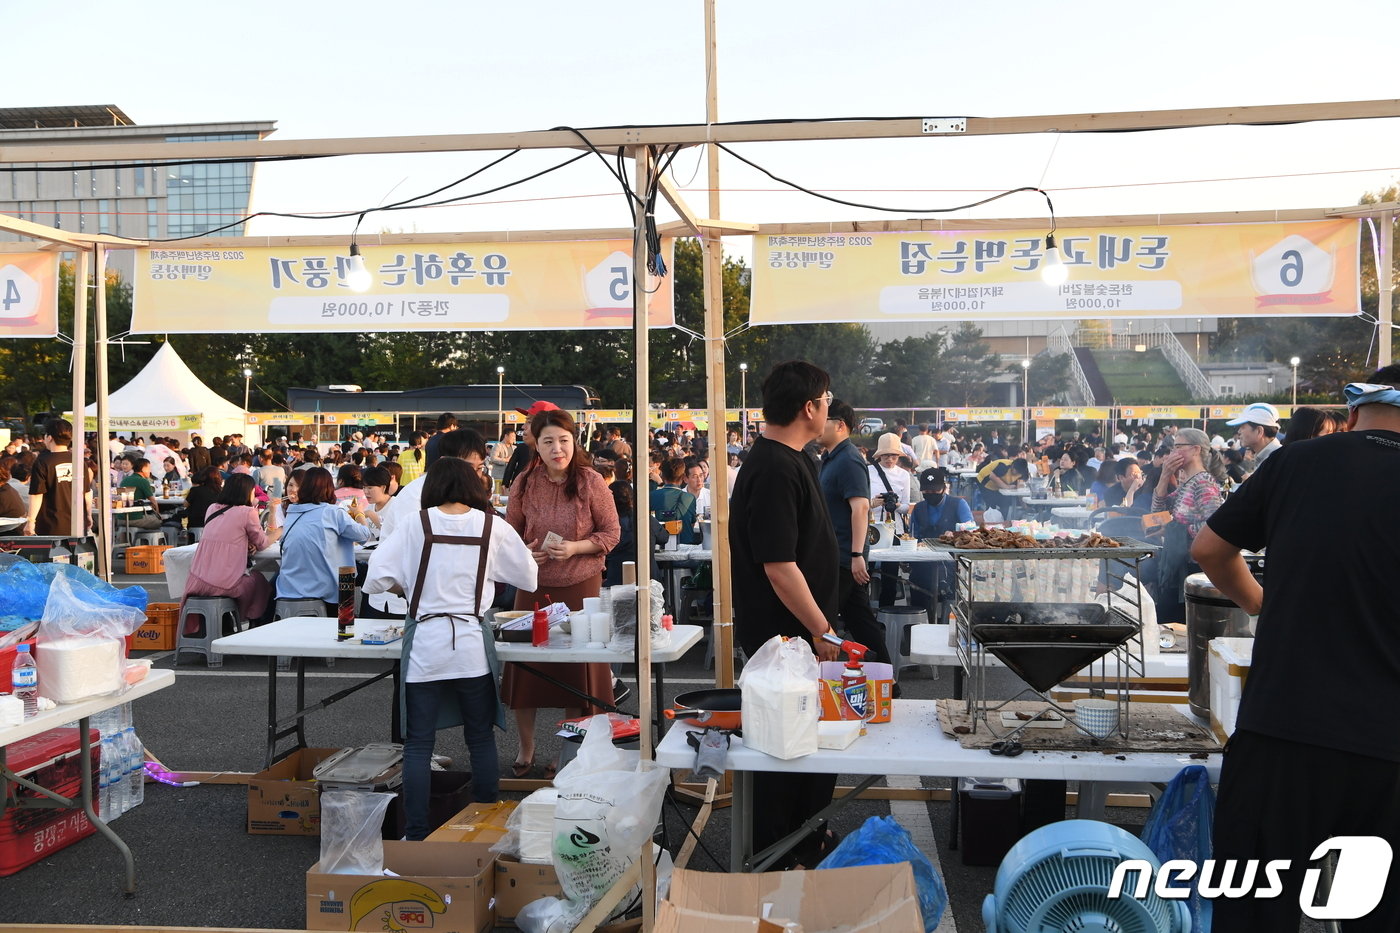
(447, 886)
(146, 558)
(519, 883)
(886, 901)
(157, 633)
(284, 800)
(479, 822)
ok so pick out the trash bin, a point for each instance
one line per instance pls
(1209, 614)
(989, 818)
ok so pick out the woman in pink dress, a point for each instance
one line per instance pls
(559, 492)
(232, 531)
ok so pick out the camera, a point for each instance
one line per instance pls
(891, 500)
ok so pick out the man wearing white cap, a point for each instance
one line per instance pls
(1258, 430)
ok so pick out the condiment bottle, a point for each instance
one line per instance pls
(539, 628)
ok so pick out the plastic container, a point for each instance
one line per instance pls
(50, 759)
(989, 816)
(375, 767)
(1230, 660)
(24, 679)
(135, 769)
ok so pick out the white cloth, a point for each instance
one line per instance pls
(925, 448)
(1268, 449)
(449, 587)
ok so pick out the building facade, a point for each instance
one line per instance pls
(137, 201)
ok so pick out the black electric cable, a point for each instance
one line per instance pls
(399, 206)
(895, 210)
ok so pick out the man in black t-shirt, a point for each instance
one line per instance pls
(784, 565)
(51, 483)
(1315, 753)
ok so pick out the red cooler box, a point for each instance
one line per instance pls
(49, 759)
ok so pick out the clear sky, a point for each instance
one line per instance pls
(422, 66)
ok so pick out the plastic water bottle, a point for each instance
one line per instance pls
(111, 806)
(135, 770)
(24, 680)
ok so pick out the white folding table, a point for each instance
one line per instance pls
(912, 743)
(315, 637)
(81, 712)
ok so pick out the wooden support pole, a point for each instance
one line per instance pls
(697, 829)
(101, 485)
(610, 140)
(641, 524)
(78, 515)
(722, 628)
(1385, 282)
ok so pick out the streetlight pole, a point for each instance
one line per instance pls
(1026, 400)
(744, 401)
(247, 384)
(1294, 363)
(500, 402)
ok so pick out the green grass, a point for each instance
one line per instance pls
(1142, 378)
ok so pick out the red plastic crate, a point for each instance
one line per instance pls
(49, 759)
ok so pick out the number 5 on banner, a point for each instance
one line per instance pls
(19, 296)
(608, 286)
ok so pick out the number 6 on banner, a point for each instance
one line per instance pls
(19, 296)
(1294, 271)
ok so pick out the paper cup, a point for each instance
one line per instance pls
(1099, 718)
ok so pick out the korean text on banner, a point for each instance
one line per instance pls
(28, 294)
(1281, 269)
(446, 286)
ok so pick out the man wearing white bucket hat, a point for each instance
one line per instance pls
(1258, 430)
(1315, 753)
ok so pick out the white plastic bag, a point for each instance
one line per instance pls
(608, 807)
(352, 832)
(81, 653)
(779, 698)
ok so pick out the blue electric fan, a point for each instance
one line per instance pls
(1056, 880)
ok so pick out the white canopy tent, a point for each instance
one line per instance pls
(166, 397)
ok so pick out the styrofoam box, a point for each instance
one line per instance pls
(1229, 662)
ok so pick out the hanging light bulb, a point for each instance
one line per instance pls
(357, 277)
(1053, 270)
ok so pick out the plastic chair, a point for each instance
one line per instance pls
(215, 614)
(156, 538)
(196, 533)
(297, 609)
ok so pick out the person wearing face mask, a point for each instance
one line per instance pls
(934, 514)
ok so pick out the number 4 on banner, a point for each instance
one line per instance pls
(19, 296)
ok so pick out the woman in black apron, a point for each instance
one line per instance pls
(447, 564)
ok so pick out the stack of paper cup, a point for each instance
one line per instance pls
(599, 629)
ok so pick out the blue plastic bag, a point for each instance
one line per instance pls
(1179, 827)
(882, 841)
(23, 591)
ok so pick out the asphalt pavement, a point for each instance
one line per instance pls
(197, 866)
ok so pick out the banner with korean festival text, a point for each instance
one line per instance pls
(28, 294)
(563, 285)
(1228, 270)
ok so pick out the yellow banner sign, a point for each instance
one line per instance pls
(1229, 270)
(984, 414)
(447, 286)
(1077, 414)
(281, 417)
(1165, 412)
(28, 294)
(1233, 411)
(155, 423)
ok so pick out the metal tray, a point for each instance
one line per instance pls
(1131, 549)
